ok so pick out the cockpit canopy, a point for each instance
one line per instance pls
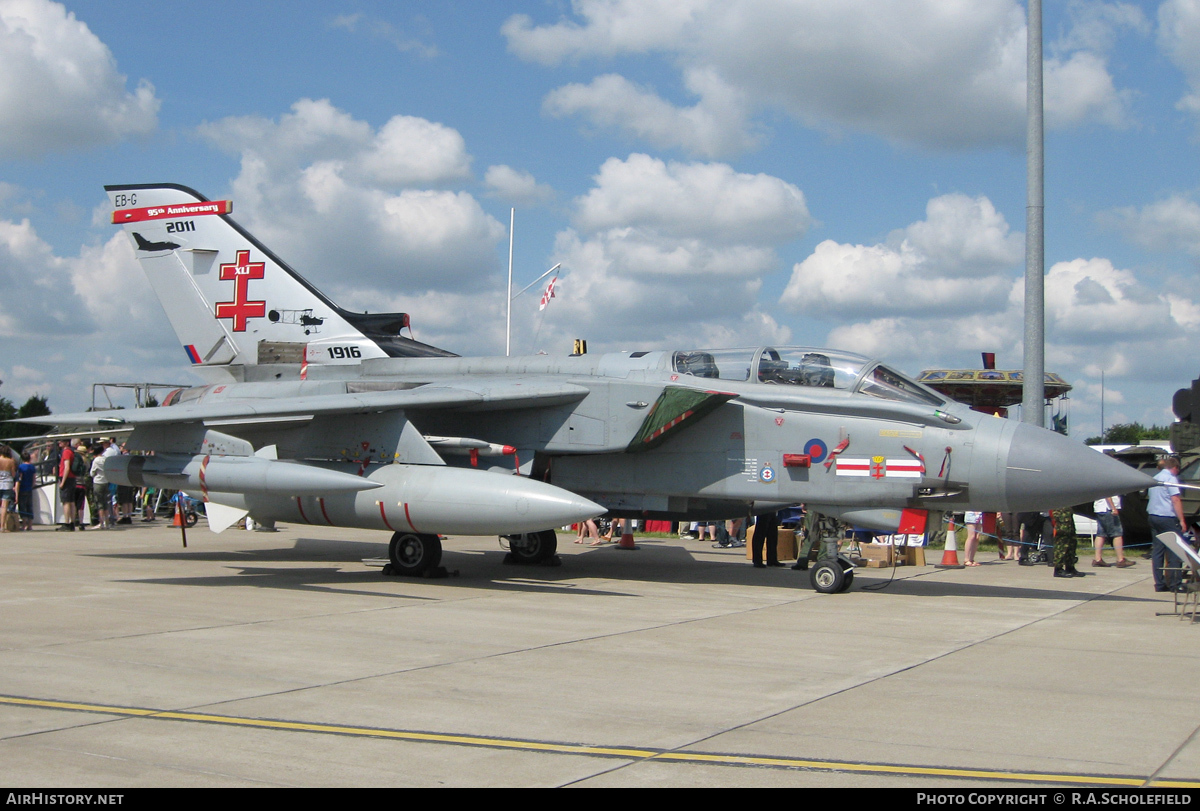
(804, 366)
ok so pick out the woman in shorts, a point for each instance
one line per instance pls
(973, 520)
(8, 485)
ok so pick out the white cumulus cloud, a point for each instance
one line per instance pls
(322, 187)
(958, 258)
(707, 201)
(928, 72)
(1165, 225)
(79, 319)
(674, 252)
(516, 186)
(1090, 300)
(59, 85)
(1179, 38)
(716, 125)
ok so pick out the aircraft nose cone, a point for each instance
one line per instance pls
(556, 509)
(1046, 470)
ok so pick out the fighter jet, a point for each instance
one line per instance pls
(362, 427)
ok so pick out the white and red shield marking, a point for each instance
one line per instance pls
(878, 467)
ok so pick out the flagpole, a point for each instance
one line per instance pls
(535, 281)
(512, 216)
(1033, 392)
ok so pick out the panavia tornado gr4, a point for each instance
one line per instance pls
(317, 415)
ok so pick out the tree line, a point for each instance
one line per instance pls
(35, 406)
(1129, 433)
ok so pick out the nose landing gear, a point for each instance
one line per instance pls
(831, 576)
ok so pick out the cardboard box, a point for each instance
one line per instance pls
(875, 552)
(786, 548)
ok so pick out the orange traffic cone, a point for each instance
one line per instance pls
(950, 556)
(177, 521)
(626, 536)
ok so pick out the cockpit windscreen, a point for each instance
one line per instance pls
(804, 366)
(890, 385)
(722, 364)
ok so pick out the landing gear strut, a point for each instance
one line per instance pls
(832, 573)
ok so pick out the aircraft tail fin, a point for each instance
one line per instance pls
(231, 301)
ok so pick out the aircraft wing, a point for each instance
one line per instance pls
(463, 395)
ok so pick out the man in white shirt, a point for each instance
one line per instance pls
(1108, 525)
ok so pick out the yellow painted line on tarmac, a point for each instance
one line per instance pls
(632, 753)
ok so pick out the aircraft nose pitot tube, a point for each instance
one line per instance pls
(1045, 470)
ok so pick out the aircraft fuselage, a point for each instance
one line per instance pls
(662, 435)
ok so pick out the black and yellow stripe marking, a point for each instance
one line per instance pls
(623, 752)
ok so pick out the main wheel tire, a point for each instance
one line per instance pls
(847, 580)
(827, 577)
(533, 547)
(414, 553)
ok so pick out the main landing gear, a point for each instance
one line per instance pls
(417, 554)
(530, 548)
(413, 553)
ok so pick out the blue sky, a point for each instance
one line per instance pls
(847, 174)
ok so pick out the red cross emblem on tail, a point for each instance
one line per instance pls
(240, 272)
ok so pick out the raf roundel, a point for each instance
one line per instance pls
(816, 450)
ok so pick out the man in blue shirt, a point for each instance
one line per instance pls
(1165, 511)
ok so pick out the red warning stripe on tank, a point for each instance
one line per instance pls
(383, 515)
(300, 506)
(321, 501)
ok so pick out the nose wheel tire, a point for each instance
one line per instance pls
(414, 553)
(831, 576)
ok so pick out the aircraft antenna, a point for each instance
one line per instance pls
(512, 217)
